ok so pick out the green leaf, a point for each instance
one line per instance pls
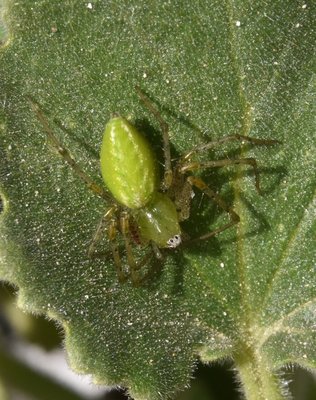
(213, 68)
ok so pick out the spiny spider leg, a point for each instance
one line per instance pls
(183, 201)
(197, 182)
(66, 155)
(230, 138)
(140, 278)
(124, 224)
(115, 251)
(222, 163)
(100, 229)
(134, 266)
(167, 180)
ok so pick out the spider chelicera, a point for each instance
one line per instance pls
(145, 210)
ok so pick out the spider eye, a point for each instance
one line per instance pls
(174, 241)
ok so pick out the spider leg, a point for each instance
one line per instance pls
(124, 224)
(191, 166)
(183, 201)
(234, 218)
(104, 221)
(230, 138)
(109, 222)
(153, 251)
(167, 180)
(115, 251)
(136, 277)
(65, 154)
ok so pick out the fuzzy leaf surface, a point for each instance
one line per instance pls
(213, 69)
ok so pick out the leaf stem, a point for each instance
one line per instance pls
(257, 379)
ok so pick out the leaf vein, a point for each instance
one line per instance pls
(302, 223)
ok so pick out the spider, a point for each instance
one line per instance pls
(144, 210)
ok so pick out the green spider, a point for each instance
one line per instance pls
(144, 210)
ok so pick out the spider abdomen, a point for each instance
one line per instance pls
(128, 165)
